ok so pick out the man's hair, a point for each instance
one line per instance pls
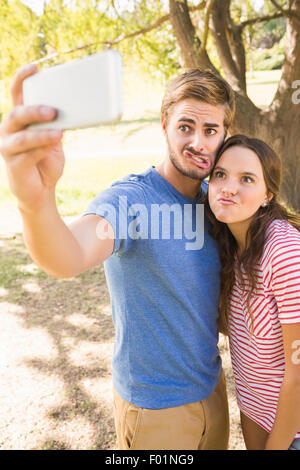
(203, 86)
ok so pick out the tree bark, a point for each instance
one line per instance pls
(282, 118)
(190, 45)
(229, 45)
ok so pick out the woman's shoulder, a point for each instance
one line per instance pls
(281, 238)
(279, 228)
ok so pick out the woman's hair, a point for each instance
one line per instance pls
(201, 85)
(255, 238)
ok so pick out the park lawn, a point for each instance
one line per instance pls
(84, 178)
(56, 341)
(262, 86)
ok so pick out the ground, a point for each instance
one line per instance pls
(56, 342)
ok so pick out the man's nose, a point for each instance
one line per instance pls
(197, 142)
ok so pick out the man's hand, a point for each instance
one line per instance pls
(34, 158)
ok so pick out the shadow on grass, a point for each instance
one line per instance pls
(47, 303)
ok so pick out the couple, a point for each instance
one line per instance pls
(169, 388)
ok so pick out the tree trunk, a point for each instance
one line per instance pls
(282, 119)
(190, 45)
(229, 44)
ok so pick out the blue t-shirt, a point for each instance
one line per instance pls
(163, 279)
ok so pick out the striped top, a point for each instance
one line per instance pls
(258, 357)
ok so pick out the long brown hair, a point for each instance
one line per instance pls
(255, 238)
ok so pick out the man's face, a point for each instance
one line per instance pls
(194, 132)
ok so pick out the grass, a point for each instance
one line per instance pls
(55, 347)
(83, 179)
(261, 86)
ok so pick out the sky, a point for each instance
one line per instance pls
(37, 5)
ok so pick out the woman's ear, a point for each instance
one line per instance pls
(268, 199)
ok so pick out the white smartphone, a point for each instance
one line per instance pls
(85, 92)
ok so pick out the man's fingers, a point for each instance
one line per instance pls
(17, 83)
(28, 160)
(22, 116)
(25, 141)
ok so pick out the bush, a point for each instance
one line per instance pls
(268, 59)
(270, 63)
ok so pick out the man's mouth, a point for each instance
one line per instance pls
(199, 160)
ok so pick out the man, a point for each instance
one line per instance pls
(169, 390)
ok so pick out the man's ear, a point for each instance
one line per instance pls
(163, 124)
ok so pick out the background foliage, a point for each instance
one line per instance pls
(68, 30)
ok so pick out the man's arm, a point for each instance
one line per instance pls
(65, 251)
(34, 162)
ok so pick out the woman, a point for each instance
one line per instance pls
(259, 243)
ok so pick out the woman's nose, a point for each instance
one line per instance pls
(229, 189)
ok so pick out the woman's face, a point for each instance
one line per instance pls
(237, 187)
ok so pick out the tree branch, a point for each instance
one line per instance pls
(201, 5)
(288, 13)
(278, 7)
(291, 66)
(229, 45)
(185, 32)
(190, 45)
(206, 24)
(115, 9)
(259, 19)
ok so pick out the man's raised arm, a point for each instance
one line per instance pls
(35, 161)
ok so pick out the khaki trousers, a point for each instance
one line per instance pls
(202, 425)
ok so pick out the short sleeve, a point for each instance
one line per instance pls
(285, 281)
(112, 204)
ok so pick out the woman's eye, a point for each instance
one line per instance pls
(247, 179)
(218, 174)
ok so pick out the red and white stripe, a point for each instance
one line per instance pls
(258, 355)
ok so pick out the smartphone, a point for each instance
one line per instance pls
(85, 92)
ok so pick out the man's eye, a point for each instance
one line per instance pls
(211, 131)
(184, 128)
